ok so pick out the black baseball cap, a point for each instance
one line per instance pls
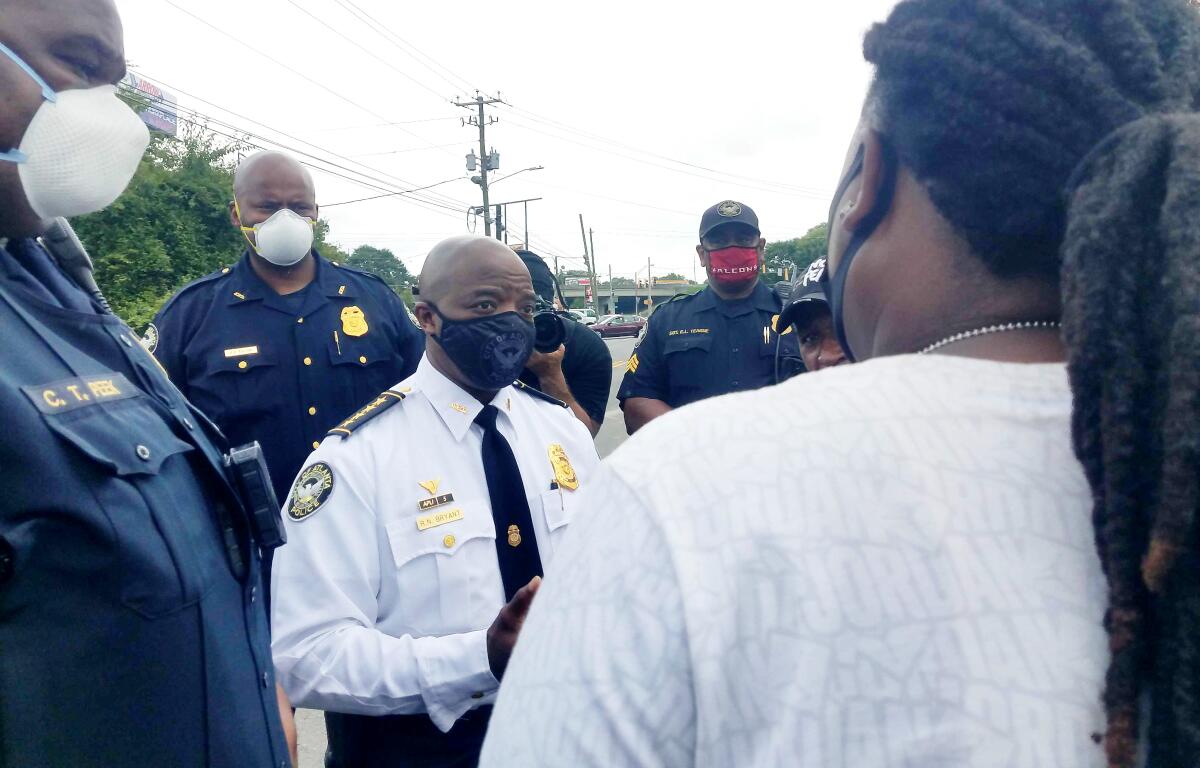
(539, 273)
(807, 296)
(727, 212)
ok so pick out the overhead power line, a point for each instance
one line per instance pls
(456, 204)
(241, 135)
(404, 46)
(294, 71)
(330, 28)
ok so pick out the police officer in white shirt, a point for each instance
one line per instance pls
(418, 530)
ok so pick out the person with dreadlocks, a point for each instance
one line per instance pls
(1001, 566)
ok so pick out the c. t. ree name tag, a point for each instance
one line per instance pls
(438, 518)
(436, 501)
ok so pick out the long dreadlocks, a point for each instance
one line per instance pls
(1060, 138)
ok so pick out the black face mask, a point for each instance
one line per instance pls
(835, 285)
(490, 351)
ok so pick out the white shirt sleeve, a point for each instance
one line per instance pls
(325, 582)
(601, 674)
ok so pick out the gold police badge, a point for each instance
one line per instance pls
(312, 488)
(564, 473)
(354, 322)
(514, 536)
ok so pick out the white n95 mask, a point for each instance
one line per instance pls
(80, 150)
(283, 239)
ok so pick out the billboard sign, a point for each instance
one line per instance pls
(160, 113)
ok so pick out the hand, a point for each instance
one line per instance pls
(287, 716)
(547, 364)
(502, 635)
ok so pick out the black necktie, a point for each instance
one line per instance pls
(516, 545)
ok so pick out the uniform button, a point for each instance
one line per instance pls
(143, 453)
(316, 444)
(362, 358)
(8, 561)
(312, 410)
(736, 350)
(266, 678)
(477, 695)
(736, 382)
(449, 540)
(308, 361)
(242, 365)
(299, 319)
(188, 423)
(125, 340)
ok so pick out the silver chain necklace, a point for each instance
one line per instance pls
(990, 329)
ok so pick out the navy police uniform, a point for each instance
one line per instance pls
(700, 346)
(132, 629)
(284, 369)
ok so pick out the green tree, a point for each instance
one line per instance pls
(383, 263)
(788, 256)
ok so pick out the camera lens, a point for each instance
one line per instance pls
(549, 330)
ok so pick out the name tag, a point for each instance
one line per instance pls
(69, 394)
(687, 331)
(438, 501)
(438, 518)
(241, 351)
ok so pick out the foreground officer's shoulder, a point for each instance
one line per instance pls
(383, 401)
(537, 394)
(197, 290)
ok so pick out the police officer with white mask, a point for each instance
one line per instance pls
(417, 532)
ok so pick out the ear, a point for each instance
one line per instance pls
(761, 247)
(233, 214)
(426, 317)
(703, 254)
(863, 196)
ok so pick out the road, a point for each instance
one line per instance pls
(309, 723)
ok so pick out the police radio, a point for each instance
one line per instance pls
(253, 482)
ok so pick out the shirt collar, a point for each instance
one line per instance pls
(457, 407)
(247, 286)
(761, 298)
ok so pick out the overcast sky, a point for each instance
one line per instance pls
(642, 113)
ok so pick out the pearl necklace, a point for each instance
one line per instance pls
(990, 329)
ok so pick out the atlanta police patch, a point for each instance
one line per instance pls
(312, 488)
(150, 338)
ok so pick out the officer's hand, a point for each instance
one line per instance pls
(547, 364)
(502, 635)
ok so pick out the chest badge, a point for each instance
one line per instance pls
(564, 473)
(431, 486)
(354, 322)
(312, 488)
(514, 536)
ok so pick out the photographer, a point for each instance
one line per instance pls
(579, 372)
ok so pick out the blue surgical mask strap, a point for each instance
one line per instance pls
(15, 155)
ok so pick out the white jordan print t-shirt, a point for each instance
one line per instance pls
(889, 564)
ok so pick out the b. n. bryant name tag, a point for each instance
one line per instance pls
(438, 518)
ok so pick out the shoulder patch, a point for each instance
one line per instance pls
(385, 400)
(150, 338)
(312, 488)
(537, 393)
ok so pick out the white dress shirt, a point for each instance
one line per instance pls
(884, 565)
(381, 604)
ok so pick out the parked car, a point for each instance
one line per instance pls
(619, 325)
(585, 316)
